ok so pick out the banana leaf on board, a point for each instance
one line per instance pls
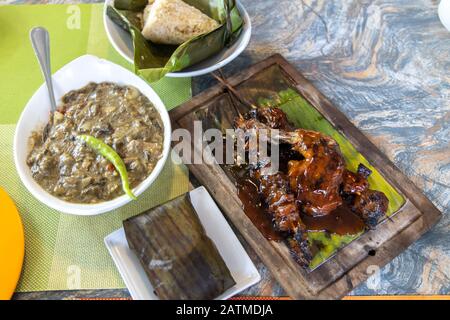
(272, 88)
(152, 61)
(303, 115)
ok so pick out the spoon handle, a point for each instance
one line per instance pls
(41, 45)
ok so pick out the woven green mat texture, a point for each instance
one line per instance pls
(63, 251)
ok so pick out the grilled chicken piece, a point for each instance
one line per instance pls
(316, 179)
(274, 190)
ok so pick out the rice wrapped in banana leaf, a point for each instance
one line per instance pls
(179, 259)
(174, 22)
(171, 35)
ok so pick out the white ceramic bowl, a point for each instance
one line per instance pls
(121, 41)
(75, 75)
(444, 13)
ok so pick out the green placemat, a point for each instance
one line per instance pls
(63, 251)
(74, 30)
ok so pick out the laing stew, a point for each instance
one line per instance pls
(120, 116)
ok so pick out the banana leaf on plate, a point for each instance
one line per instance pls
(152, 61)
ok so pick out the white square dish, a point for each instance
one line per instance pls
(218, 230)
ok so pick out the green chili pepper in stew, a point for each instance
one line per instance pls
(111, 155)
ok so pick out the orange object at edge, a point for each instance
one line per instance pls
(12, 246)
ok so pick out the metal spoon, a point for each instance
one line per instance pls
(40, 41)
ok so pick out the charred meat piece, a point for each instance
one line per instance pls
(274, 118)
(364, 171)
(299, 248)
(281, 204)
(370, 205)
(355, 182)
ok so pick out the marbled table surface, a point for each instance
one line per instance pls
(386, 65)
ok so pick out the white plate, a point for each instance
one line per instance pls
(238, 262)
(444, 13)
(121, 41)
(75, 75)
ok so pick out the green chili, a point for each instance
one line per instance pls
(111, 155)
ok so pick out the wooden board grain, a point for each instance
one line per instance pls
(350, 265)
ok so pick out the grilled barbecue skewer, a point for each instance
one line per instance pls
(316, 184)
(285, 214)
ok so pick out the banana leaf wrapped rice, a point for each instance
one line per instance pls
(170, 35)
(179, 259)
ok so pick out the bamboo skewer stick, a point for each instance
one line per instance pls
(219, 77)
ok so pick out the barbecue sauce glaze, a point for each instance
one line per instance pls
(341, 221)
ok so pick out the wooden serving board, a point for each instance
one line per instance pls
(353, 263)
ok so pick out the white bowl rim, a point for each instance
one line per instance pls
(92, 209)
(246, 34)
